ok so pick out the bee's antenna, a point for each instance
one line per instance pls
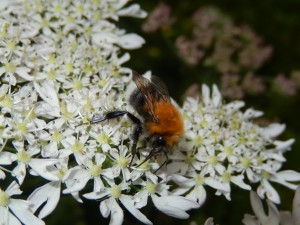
(81, 124)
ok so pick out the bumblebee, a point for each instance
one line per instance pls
(159, 120)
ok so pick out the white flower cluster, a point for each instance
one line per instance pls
(60, 66)
(223, 145)
(274, 217)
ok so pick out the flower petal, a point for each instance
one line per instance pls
(20, 209)
(174, 206)
(133, 10)
(40, 167)
(13, 189)
(250, 220)
(273, 130)
(273, 217)
(205, 94)
(284, 145)
(116, 213)
(271, 192)
(209, 221)
(296, 205)
(131, 41)
(127, 201)
(257, 206)
(48, 194)
(216, 96)
(6, 158)
(7, 217)
(286, 217)
(251, 113)
(24, 73)
(48, 92)
(104, 208)
(76, 179)
(19, 172)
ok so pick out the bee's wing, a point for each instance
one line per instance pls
(153, 90)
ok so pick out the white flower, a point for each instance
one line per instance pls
(121, 161)
(282, 177)
(127, 41)
(106, 136)
(77, 177)
(222, 136)
(110, 206)
(6, 158)
(48, 195)
(13, 68)
(228, 177)
(25, 158)
(192, 185)
(172, 205)
(274, 217)
(134, 10)
(14, 210)
(74, 146)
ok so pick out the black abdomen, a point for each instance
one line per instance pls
(137, 101)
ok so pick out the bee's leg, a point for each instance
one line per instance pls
(115, 114)
(164, 163)
(136, 134)
(154, 153)
(137, 130)
(149, 156)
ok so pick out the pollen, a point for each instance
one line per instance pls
(64, 111)
(115, 191)
(77, 147)
(123, 162)
(189, 159)
(151, 188)
(265, 174)
(22, 127)
(4, 198)
(11, 46)
(69, 67)
(7, 101)
(226, 177)
(56, 136)
(228, 151)
(95, 170)
(213, 160)
(198, 140)
(144, 166)
(51, 59)
(245, 162)
(62, 172)
(199, 179)
(103, 138)
(77, 84)
(23, 156)
(10, 68)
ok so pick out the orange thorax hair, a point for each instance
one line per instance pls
(169, 123)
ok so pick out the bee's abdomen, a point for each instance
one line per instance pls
(137, 101)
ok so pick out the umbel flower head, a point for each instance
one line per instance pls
(60, 66)
(274, 216)
(223, 146)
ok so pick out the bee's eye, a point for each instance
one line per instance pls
(158, 143)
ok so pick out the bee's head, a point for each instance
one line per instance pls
(158, 143)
